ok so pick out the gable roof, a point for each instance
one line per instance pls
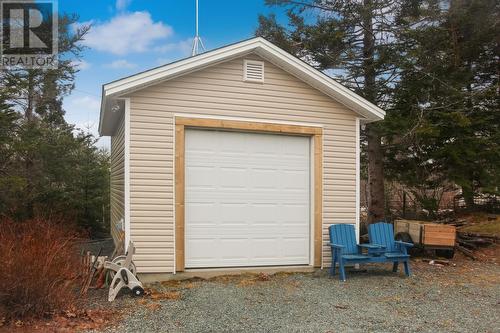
(111, 92)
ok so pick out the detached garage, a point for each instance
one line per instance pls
(238, 157)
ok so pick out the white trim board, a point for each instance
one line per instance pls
(358, 177)
(174, 208)
(127, 172)
(315, 78)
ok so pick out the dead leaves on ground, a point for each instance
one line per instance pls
(243, 280)
(250, 280)
(152, 298)
(158, 295)
(153, 306)
(181, 284)
(462, 271)
(70, 320)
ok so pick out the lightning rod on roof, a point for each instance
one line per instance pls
(198, 46)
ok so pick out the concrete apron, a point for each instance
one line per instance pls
(207, 273)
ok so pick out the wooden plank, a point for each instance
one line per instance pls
(439, 235)
(401, 226)
(179, 198)
(248, 126)
(416, 233)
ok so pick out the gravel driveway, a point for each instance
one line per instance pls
(465, 298)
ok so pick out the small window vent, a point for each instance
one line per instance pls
(253, 71)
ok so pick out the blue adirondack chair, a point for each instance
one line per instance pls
(345, 249)
(382, 234)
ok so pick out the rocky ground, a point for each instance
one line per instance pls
(461, 297)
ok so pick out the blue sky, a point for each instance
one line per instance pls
(129, 36)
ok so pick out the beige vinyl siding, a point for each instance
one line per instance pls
(221, 91)
(117, 180)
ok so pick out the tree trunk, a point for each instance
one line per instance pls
(376, 203)
(28, 113)
(468, 194)
(376, 194)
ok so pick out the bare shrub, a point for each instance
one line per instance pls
(39, 267)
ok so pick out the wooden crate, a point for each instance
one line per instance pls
(439, 235)
(427, 233)
(412, 227)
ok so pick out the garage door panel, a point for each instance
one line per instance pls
(294, 246)
(202, 212)
(200, 176)
(263, 178)
(231, 212)
(197, 248)
(247, 199)
(232, 178)
(236, 195)
(296, 213)
(294, 180)
(262, 214)
(263, 247)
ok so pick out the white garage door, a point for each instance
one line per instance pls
(247, 199)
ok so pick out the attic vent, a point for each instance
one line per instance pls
(253, 70)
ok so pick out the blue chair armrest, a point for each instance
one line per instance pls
(400, 243)
(372, 246)
(336, 246)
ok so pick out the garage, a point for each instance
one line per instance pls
(247, 199)
(236, 159)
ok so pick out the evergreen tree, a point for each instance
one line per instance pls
(432, 65)
(358, 43)
(45, 168)
(447, 105)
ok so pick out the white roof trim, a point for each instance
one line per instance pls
(267, 50)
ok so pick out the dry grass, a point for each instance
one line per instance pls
(486, 228)
(39, 268)
(480, 223)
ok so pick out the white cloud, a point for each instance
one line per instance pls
(126, 33)
(122, 4)
(83, 112)
(81, 64)
(88, 103)
(83, 108)
(120, 63)
(183, 46)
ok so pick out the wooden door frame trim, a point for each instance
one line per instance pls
(316, 133)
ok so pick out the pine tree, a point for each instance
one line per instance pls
(45, 168)
(356, 42)
(446, 104)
